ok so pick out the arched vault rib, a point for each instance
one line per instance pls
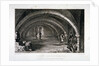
(45, 21)
(48, 12)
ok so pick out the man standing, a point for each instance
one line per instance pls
(61, 38)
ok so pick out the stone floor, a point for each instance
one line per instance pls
(48, 46)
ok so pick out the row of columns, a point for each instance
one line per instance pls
(78, 41)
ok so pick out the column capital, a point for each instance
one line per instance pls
(77, 35)
(65, 33)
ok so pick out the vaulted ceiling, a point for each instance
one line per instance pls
(58, 20)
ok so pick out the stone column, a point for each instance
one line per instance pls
(65, 34)
(78, 41)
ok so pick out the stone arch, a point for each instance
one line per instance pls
(24, 32)
(43, 20)
(52, 13)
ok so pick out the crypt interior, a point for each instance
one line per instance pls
(51, 30)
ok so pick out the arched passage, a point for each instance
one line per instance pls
(41, 23)
(48, 12)
(54, 13)
(44, 20)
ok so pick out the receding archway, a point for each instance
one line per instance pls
(33, 25)
(42, 20)
(48, 12)
(52, 13)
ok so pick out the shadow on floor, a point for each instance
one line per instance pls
(36, 46)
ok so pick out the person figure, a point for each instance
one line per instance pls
(17, 37)
(74, 44)
(28, 46)
(61, 38)
(21, 45)
(70, 44)
(70, 41)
